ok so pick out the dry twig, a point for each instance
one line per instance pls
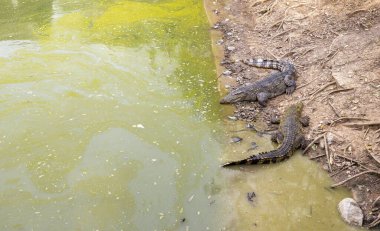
(316, 157)
(336, 91)
(304, 85)
(333, 108)
(340, 90)
(286, 11)
(313, 95)
(375, 222)
(353, 177)
(374, 123)
(371, 154)
(312, 142)
(365, 133)
(329, 57)
(347, 118)
(328, 157)
(355, 12)
(276, 57)
(355, 161)
(323, 87)
(374, 203)
(341, 170)
(282, 33)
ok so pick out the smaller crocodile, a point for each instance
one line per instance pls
(289, 135)
(275, 84)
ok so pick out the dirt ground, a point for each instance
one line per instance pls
(335, 46)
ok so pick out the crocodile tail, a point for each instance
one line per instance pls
(274, 156)
(262, 158)
(248, 161)
(282, 66)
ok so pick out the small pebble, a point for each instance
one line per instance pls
(230, 48)
(234, 118)
(236, 139)
(254, 145)
(220, 42)
(227, 72)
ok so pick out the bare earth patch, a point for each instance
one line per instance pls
(335, 46)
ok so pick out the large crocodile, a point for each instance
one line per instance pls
(275, 84)
(289, 135)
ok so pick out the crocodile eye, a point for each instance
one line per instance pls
(238, 93)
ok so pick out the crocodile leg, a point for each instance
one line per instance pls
(277, 137)
(290, 83)
(305, 121)
(305, 143)
(290, 90)
(300, 142)
(262, 98)
(275, 119)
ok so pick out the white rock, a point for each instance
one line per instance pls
(227, 72)
(230, 48)
(330, 138)
(351, 212)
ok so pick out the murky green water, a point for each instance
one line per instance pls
(108, 116)
(291, 195)
(109, 120)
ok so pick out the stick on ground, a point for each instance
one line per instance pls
(312, 142)
(372, 154)
(347, 118)
(328, 158)
(353, 177)
(314, 95)
(374, 123)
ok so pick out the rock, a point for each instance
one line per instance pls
(322, 144)
(234, 118)
(230, 48)
(236, 139)
(330, 138)
(351, 212)
(227, 72)
(253, 146)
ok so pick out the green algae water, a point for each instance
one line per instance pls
(109, 116)
(109, 120)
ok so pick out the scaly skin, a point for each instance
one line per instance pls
(289, 135)
(264, 89)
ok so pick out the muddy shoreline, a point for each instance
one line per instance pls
(335, 47)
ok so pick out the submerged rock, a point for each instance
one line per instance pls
(351, 212)
(251, 196)
(253, 146)
(236, 139)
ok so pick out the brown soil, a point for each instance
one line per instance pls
(335, 46)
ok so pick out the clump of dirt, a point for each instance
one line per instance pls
(335, 46)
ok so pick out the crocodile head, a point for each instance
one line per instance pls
(299, 107)
(234, 96)
(295, 109)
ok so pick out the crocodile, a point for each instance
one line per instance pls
(275, 84)
(289, 135)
